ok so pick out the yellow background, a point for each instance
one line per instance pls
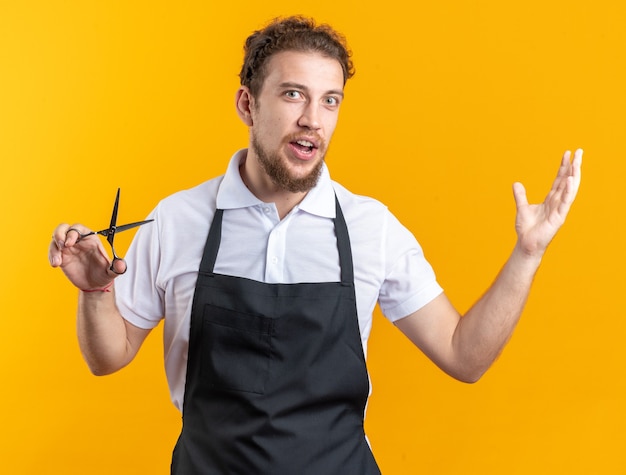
(451, 103)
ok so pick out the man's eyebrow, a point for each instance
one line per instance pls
(295, 85)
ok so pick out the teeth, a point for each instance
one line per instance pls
(304, 143)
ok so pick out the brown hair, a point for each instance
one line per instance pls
(295, 33)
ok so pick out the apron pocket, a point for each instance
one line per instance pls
(236, 350)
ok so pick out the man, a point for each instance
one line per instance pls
(266, 323)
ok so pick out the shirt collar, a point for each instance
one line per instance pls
(233, 193)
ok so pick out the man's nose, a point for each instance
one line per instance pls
(310, 117)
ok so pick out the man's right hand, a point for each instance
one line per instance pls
(83, 259)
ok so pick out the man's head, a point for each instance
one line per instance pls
(291, 34)
(293, 79)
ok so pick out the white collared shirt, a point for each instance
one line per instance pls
(163, 260)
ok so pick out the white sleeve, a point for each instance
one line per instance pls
(138, 297)
(410, 281)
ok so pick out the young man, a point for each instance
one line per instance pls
(266, 323)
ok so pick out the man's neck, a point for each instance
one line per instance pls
(264, 189)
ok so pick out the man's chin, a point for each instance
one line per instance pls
(287, 174)
(299, 184)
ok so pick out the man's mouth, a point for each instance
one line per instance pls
(304, 146)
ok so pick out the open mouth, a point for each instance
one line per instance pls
(304, 146)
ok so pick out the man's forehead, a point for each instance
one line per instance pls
(306, 68)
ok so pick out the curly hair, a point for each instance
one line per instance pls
(295, 33)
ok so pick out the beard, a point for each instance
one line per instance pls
(278, 172)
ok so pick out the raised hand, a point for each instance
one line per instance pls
(537, 224)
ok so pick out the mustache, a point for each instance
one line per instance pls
(310, 136)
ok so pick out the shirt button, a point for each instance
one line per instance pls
(274, 260)
(266, 210)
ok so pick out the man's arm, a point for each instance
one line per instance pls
(466, 346)
(108, 342)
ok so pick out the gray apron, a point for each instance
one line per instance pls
(276, 377)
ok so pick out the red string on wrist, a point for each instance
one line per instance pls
(106, 288)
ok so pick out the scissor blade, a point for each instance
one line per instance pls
(112, 228)
(126, 227)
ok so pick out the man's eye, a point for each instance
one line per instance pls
(292, 94)
(332, 101)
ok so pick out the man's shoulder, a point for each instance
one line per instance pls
(368, 216)
(351, 201)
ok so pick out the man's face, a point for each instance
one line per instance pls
(294, 117)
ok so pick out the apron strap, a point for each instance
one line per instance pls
(212, 244)
(343, 246)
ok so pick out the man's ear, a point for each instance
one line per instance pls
(243, 103)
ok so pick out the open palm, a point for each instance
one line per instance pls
(537, 224)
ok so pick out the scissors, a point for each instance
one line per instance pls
(109, 232)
